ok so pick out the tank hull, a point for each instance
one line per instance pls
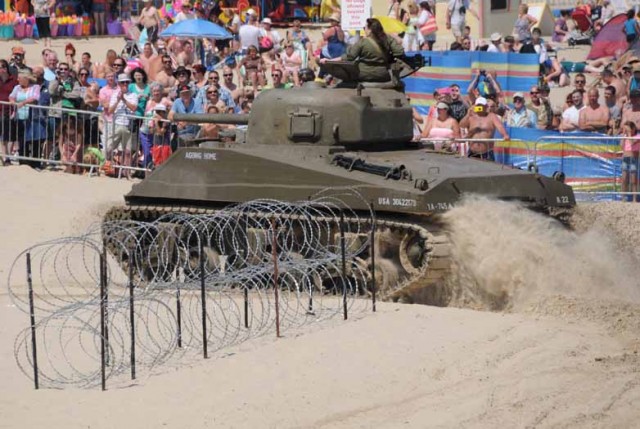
(430, 182)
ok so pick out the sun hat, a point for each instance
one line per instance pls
(335, 17)
(481, 101)
(442, 105)
(182, 69)
(160, 108)
(496, 37)
(123, 77)
(267, 20)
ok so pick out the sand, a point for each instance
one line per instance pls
(557, 359)
(552, 357)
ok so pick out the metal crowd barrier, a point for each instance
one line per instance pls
(41, 136)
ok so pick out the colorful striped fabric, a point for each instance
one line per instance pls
(589, 165)
(516, 72)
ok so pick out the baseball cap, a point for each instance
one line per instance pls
(250, 12)
(518, 95)
(481, 101)
(184, 88)
(442, 105)
(123, 77)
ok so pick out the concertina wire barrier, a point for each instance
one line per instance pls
(132, 296)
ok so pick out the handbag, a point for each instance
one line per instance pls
(429, 27)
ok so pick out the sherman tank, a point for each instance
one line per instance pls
(298, 142)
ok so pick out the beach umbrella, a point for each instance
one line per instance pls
(196, 28)
(391, 25)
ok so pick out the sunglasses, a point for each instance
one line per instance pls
(118, 65)
(228, 74)
(581, 81)
(214, 78)
(275, 75)
(84, 74)
(212, 93)
(534, 93)
(63, 69)
(167, 62)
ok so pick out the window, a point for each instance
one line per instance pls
(499, 4)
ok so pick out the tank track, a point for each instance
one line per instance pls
(420, 283)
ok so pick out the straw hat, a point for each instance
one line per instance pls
(335, 17)
(496, 37)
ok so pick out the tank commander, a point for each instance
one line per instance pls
(373, 54)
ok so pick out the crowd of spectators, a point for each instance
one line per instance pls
(130, 99)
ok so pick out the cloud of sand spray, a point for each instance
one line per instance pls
(507, 256)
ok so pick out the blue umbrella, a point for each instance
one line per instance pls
(196, 28)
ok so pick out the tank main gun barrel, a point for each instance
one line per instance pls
(212, 118)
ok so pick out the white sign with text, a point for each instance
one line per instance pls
(354, 14)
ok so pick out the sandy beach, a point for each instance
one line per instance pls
(563, 354)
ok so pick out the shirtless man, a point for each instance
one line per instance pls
(85, 62)
(594, 117)
(150, 20)
(632, 112)
(165, 76)
(104, 68)
(610, 79)
(187, 57)
(227, 82)
(482, 124)
(147, 56)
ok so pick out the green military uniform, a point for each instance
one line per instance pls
(373, 60)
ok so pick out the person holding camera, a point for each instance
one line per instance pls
(456, 17)
(17, 64)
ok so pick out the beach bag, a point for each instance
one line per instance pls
(429, 27)
(266, 44)
(160, 154)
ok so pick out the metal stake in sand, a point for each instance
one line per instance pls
(103, 358)
(105, 298)
(132, 317)
(32, 317)
(373, 256)
(246, 257)
(274, 253)
(343, 252)
(203, 297)
(178, 309)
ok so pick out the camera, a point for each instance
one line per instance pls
(483, 72)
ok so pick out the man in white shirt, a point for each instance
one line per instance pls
(456, 17)
(123, 104)
(185, 13)
(571, 116)
(496, 43)
(249, 33)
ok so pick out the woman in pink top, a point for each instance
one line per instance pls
(291, 63)
(630, 151)
(442, 127)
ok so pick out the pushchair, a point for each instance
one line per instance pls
(583, 32)
(132, 42)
